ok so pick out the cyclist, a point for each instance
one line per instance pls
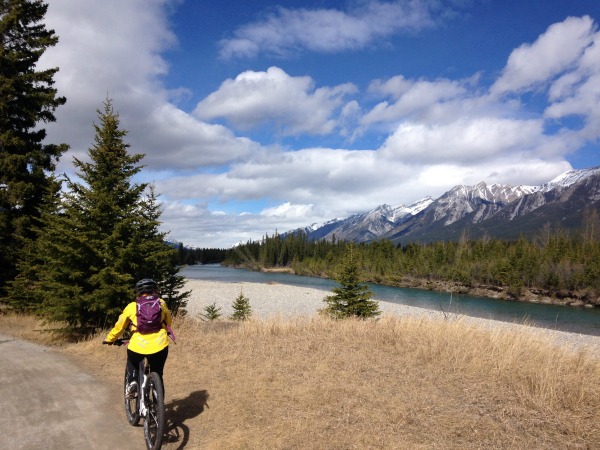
(153, 345)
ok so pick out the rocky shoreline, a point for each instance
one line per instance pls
(272, 300)
(530, 295)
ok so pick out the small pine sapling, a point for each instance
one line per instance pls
(211, 313)
(352, 298)
(241, 308)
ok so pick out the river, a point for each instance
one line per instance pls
(565, 318)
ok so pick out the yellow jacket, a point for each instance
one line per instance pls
(145, 344)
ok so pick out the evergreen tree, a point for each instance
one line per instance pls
(159, 258)
(241, 308)
(104, 239)
(22, 296)
(27, 99)
(352, 298)
(171, 288)
(211, 312)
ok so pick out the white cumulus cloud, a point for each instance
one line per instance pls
(327, 30)
(462, 141)
(126, 65)
(289, 105)
(553, 52)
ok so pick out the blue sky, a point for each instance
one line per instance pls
(262, 116)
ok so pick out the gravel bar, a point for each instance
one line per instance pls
(286, 301)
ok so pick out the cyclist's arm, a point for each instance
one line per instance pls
(167, 319)
(121, 325)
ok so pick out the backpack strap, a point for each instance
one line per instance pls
(170, 333)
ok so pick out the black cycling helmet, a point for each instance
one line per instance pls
(146, 286)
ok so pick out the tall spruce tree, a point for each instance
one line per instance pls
(104, 239)
(352, 297)
(27, 98)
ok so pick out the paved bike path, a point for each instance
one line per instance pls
(48, 402)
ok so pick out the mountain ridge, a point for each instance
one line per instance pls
(494, 210)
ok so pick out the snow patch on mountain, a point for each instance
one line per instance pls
(413, 209)
(316, 226)
(566, 179)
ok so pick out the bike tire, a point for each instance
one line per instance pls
(132, 405)
(154, 422)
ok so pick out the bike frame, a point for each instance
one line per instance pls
(143, 371)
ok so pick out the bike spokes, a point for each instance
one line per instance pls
(154, 422)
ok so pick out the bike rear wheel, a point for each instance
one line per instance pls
(132, 405)
(154, 422)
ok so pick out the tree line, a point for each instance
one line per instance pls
(555, 261)
(71, 249)
(191, 256)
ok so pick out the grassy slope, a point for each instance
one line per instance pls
(394, 383)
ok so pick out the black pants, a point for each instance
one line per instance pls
(156, 361)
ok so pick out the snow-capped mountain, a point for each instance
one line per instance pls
(481, 199)
(495, 210)
(370, 225)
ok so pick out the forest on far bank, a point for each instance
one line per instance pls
(557, 263)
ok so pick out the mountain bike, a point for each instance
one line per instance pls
(150, 405)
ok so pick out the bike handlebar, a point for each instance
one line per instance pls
(118, 342)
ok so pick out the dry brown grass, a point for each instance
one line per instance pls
(394, 383)
(29, 328)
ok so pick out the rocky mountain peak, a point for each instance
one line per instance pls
(481, 206)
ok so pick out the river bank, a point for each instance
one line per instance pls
(530, 295)
(272, 300)
(562, 297)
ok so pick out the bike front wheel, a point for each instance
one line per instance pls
(132, 405)
(154, 422)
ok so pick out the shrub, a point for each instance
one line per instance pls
(211, 312)
(241, 308)
(352, 298)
